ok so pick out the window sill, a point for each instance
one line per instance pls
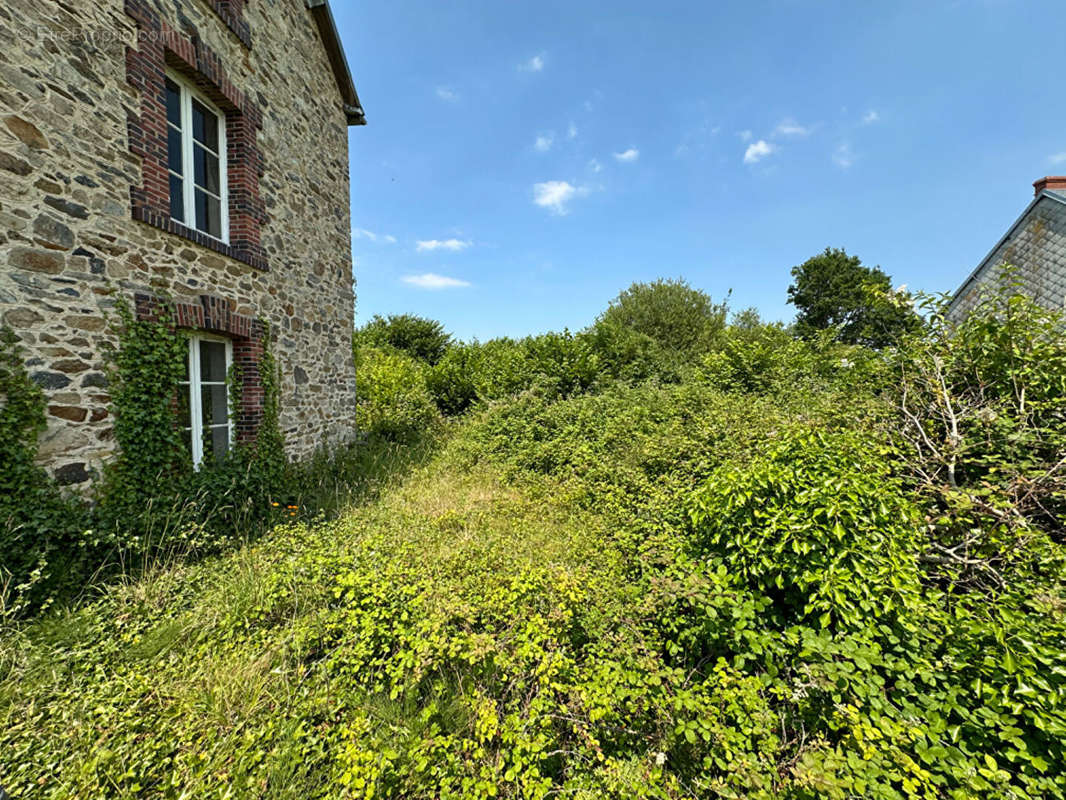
(164, 223)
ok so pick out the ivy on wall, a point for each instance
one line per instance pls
(144, 371)
(150, 498)
(39, 528)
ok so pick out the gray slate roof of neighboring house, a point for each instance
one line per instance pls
(1046, 194)
(327, 29)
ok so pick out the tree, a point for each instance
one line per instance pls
(835, 290)
(670, 312)
(419, 337)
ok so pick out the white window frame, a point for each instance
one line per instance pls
(188, 92)
(196, 417)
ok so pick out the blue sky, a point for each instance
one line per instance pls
(524, 162)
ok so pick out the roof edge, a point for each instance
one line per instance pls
(1050, 195)
(327, 29)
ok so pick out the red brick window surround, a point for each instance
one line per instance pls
(232, 13)
(213, 314)
(160, 47)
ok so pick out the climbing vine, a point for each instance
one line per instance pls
(38, 526)
(144, 369)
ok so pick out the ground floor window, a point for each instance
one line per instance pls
(203, 399)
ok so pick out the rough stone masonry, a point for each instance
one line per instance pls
(83, 209)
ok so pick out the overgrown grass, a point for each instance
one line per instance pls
(741, 585)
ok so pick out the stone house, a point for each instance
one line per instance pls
(186, 152)
(1035, 245)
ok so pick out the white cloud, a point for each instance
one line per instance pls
(789, 127)
(535, 64)
(447, 95)
(757, 151)
(844, 156)
(363, 233)
(595, 166)
(544, 142)
(571, 132)
(433, 281)
(429, 245)
(632, 154)
(1058, 158)
(745, 136)
(555, 195)
(870, 117)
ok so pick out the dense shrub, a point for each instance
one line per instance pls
(555, 365)
(768, 358)
(40, 529)
(669, 312)
(392, 398)
(421, 338)
(982, 421)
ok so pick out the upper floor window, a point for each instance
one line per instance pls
(196, 158)
(203, 399)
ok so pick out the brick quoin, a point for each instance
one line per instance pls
(160, 46)
(215, 315)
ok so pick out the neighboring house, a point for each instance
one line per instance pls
(1035, 245)
(192, 149)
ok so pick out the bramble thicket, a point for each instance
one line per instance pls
(675, 554)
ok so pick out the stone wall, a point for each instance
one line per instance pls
(1036, 248)
(69, 242)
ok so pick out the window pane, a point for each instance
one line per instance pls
(216, 444)
(212, 361)
(204, 126)
(174, 150)
(206, 166)
(177, 198)
(173, 104)
(208, 214)
(215, 405)
(184, 415)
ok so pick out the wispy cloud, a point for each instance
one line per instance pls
(844, 156)
(447, 94)
(1058, 158)
(429, 245)
(556, 195)
(632, 154)
(571, 132)
(595, 166)
(745, 136)
(757, 151)
(544, 142)
(870, 117)
(535, 64)
(789, 127)
(433, 281)
(363, 233)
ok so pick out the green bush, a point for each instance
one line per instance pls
(41, 543)
(555, 365)
(392, 398)
(421, 338)
(670, 313)
(819, 523)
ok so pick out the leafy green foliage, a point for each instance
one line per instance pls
(834, 290)
(421, 338)
(39, 528)
(669, 312)
(145, 368)
(392, 398)
(555, 365)
(755, 581)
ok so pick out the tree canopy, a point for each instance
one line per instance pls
(835, 290)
